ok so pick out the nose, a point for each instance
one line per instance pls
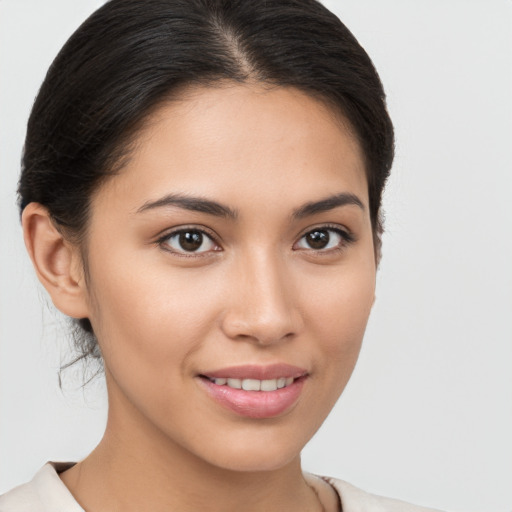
(262, 306)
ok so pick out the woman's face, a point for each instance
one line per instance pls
(234, 249)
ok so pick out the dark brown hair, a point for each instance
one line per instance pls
(131, 55)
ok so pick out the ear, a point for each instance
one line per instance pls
(57, 262)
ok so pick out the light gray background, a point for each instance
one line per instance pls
(428, 414)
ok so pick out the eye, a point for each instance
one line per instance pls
(323, 239)
(189, 241)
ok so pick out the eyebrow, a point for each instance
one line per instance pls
(202, 205)
(195, 204)
(328, 203)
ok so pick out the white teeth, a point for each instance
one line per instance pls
(269, 385)
(255, 384)
(235, 383)
(251, 384)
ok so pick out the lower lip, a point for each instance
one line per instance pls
(256, 404)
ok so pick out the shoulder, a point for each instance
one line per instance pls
(354, 499)
(44, 493)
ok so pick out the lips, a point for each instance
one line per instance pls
(256, 391)
(273, 371)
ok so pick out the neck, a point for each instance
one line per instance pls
(137, 467)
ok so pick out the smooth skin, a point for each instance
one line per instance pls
(173, 293)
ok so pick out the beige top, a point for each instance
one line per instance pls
(47, 493)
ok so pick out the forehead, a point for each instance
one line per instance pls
(235, 140)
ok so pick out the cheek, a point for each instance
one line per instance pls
(146, 320)
(338, 311)
(342, 301)
(151, 326)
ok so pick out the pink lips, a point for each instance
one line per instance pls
(256, 404)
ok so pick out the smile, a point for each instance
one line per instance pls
(254, 384)
(256, 391)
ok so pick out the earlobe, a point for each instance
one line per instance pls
(56, 261)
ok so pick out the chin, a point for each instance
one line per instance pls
(254, 460)
(259, 450)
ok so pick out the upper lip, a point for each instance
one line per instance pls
(258, 372)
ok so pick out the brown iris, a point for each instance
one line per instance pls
(190, 240)
(317, 239)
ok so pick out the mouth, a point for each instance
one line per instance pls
(256, 391)
(265, 385)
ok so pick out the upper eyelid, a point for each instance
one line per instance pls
(347, 236)
(327, 226)
(167, 233)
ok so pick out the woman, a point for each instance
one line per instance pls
(201, 191)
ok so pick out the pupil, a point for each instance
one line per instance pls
(318, 239)
(191, 240)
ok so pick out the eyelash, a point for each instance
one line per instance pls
(347, 239)
(164, 239)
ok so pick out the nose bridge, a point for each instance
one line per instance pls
(262, 306)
